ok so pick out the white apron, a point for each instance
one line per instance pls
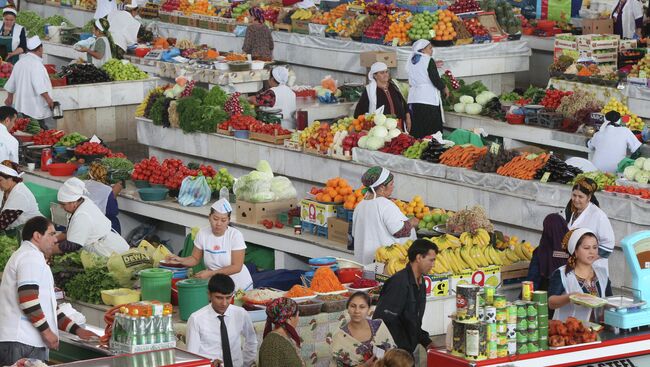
(285, 99)
(107, 53)
(98, 193)
(596, 220)
(631, 11)
(571, 285)
(91, 229)
(421, 87)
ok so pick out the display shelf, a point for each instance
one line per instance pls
(166, 357)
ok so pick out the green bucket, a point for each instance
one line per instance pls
(192, 295)
(156, 284)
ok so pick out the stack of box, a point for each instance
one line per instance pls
(565, 44)
(602, 48)
(314, 216)
(143, 326)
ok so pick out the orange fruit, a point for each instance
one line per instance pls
(326, 199)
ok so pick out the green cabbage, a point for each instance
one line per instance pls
(630, 172)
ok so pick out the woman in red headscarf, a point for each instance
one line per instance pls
(258, 40)
(281, 344)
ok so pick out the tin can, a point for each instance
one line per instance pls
(522, 325)
(540, 297)
(533, 335)
(297, 230)
(481, 314)
(533, 347)
(521, 309)
(512, 313)
(475, 345)
(512, 331)
(543, 344)
(542, 309)
(522, 348)
(531, 309)
(502, 351)
(458, 338)
(488, 294)
(490, 314)
(481, 300)
(467, 302)
(502, 328)
(492, 350)
(532, 324)
(527, 291)
(502, 339)
(542, 321)
(522, 337)
(502, 315)
(542, 331)
(512, 346)
(499, 301)
(492, 332)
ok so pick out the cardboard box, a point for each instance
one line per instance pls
(490, 275)
(437, 285)
(337, 230)
(589, 43)
(253, 213)
(597, 26)
(489, 21)
(624, 45)
(316, 213)
(369, 58)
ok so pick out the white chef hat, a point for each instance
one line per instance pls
(9, 171)
(575, 237)
(420, 45)
(280, 74)
(72, 190)
(132, 5)
(9, 10)
(33, 43)
(222, 206)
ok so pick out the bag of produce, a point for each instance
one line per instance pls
(124, 266)
(91, 260)
(283, 188)
(195, 191)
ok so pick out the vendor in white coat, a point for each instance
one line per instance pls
(583, 211)
(279, 96)
(101, 50)
(88, 228)
(18, 203)
(377, 221)
(612, 143)
(13, 35)
(221, 247)
(105, 7)
(628, 18)
(8, 143)
(578, 276)
(29, 88)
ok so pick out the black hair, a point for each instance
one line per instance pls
(7, 177)
(40, 47)
(359, 294)
(421, 247)
(37, 224)
(571, 263)
(221, 283)
(7, 112)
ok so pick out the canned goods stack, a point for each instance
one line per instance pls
(470, 332)
(143, 326)
(540, 298)
(501, 318)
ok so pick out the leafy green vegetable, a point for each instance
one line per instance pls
(117, 164)
(215, 97)
(189, 113)
(7, 247)
(158, 111)
(249, 109)
(87, 286)
(65, 267)
(199, 92)
(35, 25)
(510, 97)
(534, 94)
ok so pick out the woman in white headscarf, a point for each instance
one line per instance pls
(278, 96)
(382, 91)
(18, 203)
(377, 221)
(88, 228)
(101, 50)
(221, 247)
(425, 101)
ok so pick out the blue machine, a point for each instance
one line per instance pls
(628, 313)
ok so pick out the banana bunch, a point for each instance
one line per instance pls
(445, 241)
(480, 238)
(395, 264)
(139, 112)
(520, 251)
(184, 44)
(301, 14)
(385, 254)
(507, 242)
(98, 172)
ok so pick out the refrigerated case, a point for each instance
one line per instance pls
(630, 349)
(159, 358)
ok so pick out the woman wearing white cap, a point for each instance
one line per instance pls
(279, 96)
(221, 247)
(611, 143)
(425, 101)
(18, 203)
(101, 50)
(578, 276)
(377, 221)
(88, 228)
(381, 91)
(13, 35)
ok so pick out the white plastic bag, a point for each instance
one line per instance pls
(194, 191)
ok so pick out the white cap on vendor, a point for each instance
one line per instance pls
(72, 190)
(222, 206)
(9, 10)
(132, 5)
(420, 45)
(33, 43)
(575, 237)
(280, 74)
(9, 171)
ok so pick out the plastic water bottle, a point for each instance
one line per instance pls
(224, 194)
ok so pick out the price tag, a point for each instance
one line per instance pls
(545, 177)
(432, 33)
(494, 148)
(441, 288)
(395, 41)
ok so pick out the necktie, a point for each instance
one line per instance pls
(225, 344)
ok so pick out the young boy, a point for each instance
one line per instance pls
(215, 331)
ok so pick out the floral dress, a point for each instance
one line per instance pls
(348, 351)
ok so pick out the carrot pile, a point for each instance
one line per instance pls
(325, 281)
(458, 156)
(523, 168)
(299, 291)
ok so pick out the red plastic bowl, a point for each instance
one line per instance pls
(61, 169)
(546, 25)
(515, 119)
(142, 51)
(349, 275)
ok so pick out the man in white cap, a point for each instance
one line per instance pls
(221, 247)
(279, 96)
(29, 87)
(8, 143)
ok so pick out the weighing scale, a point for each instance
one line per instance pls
(625, 312)
(153, 55)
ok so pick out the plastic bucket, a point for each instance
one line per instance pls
(179, 273)
(156, 284)
(192, 295)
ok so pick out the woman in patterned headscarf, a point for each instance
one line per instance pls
(583, 211)
(281, 345)
(377, 221)
(258, 41)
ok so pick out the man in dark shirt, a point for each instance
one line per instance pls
(403, 298)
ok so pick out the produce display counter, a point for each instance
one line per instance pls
(517, 207)
(629, 349)
(166, 357)
(317, 111)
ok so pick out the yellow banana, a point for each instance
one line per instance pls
(453, 240)
(519, 252)
(511, 255)
(442, 259)
(464, 253)
(457, 256)
(402, 251)
(454, 265)
(495, 256)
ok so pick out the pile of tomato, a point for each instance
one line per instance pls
(238, 122)
(170, 172)
(48, 137)
(91, 148)
(643, 193)
(269, 129)
(553, 98)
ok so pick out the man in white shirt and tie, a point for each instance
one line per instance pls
(216, 330)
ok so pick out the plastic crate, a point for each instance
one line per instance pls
(532, 118)
(344, 214)
(549, 119)
(314, 229)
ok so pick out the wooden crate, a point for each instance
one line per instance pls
(224, 132)
(515, 271)
(292, 145)
(273, 139)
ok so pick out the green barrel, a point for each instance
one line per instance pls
(156, 284)
(192, 295)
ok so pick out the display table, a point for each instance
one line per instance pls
(613, 351)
